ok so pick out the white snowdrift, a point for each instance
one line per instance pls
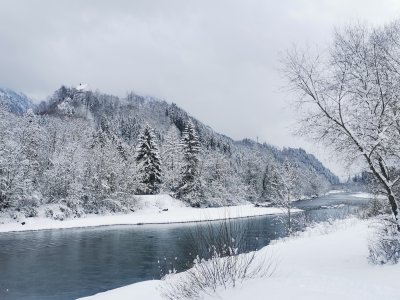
(326, 262)
(155, 209)
(83, 87)
(335, 192)
(367, 196)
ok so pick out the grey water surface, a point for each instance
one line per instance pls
(72, 263)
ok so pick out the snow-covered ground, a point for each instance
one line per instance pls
(325, 262)
(335, 192)
(367, 196)
(155, 209)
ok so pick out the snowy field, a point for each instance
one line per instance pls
(155, 209)
(325, 262)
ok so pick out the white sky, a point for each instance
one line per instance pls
(218, 60)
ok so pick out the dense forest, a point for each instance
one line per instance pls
(84, 152)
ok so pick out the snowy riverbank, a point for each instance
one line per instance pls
(157, 209)
(325, 262)
(367, 196)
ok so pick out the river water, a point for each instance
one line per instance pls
(72, 263)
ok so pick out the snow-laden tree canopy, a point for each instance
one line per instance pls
(350, 98)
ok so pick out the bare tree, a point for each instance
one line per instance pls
(349, 95)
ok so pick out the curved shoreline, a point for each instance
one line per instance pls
(177, 215)
(152, 212)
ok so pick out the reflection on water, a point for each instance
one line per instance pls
(72, 263)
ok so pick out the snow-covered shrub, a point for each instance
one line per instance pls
(384, 246)
(73, 202)
(206, 276)
(220, 262)
(30, 211)
(128, 202)
(57, 212)
(109, 205)
(377, 207)
(78, 212)
(102, 206)
(28, 206)
(14, 215)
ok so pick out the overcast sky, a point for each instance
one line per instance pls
(218, 60)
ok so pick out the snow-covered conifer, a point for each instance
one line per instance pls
(190, 187)
(149, 164)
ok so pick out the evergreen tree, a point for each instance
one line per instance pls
(190, 188)
(171, 157)
(147, 158)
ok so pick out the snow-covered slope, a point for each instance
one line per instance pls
(15, 102)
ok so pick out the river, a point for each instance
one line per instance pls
(72, 263)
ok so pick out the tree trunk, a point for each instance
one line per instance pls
(379, 177)
(395, 209)
(289, 222)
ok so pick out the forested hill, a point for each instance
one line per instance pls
(81, 151)
(126, 117)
